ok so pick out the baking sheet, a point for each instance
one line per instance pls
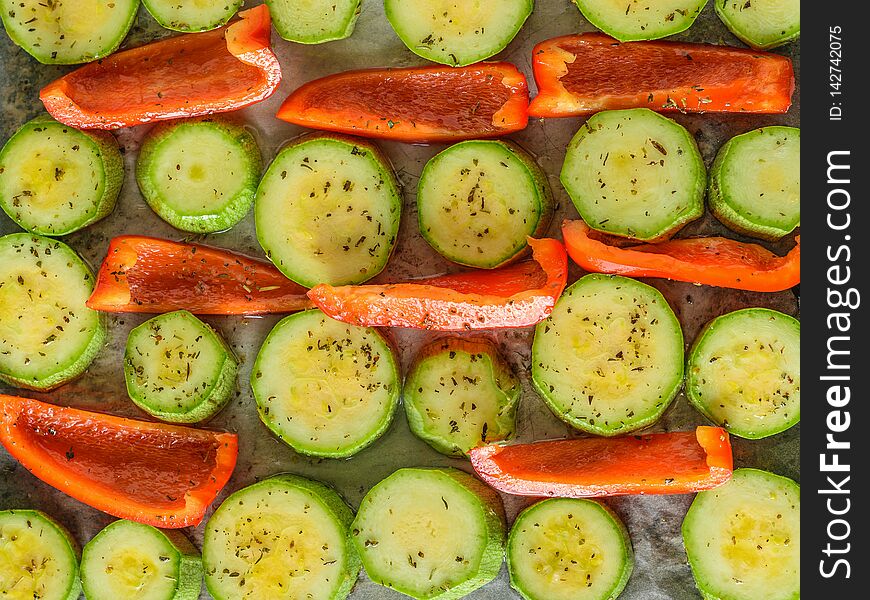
(661, 571)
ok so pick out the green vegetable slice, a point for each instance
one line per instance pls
(314, 21)
(632, 20)
(762, 24)
(192, 15)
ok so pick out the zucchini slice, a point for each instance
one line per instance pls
(478, 201)
(324, 387)
(47, 334)
(569, 549)
(457, 33)
(192, 15)
(609, 358)
(55, 179)
(762, 24)
(133, 560)
(743, 539)
(635, 173)
(284, 537)
(632, 20)
(179, 369)
(314, 21)
(459, 394)
(38, 557)
(755, 182)
(199, 175)
(743, 372)
(67, 32)
(328, 210)
(431, 533)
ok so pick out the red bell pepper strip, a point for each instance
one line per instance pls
(514, 296)
(149, 275)
(182, 76)
(421, 104)
(162, 475)
(713, 261)
(582, 74)
(658, 463)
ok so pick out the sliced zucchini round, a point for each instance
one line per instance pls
(478, 200)
(762, 24)
(635, 173)
(459, 394)
(743, 539)
(179, 369)
(314, 21)
(609, 358)
(457, 33)
(38, 558)
(55, 179)
(133, 560)
(632, 20)
(743, 372)
(47, 334)
(192, 15)
(284, 537)
(755, 182)
(66, 32)
(328, 210)
(569, 549)
(324, 387)
(431, 533)
(199, 175)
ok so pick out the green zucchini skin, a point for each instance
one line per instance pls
(68, 32)
(329, 20)
(642, 19)
(28, 178)
(423, 485)
(761, 24)
(183, 165)
(51, 351)
(178, 15)
(39, 531)
(585, 516)
(769, 345)
(452, 195)
(739, 196)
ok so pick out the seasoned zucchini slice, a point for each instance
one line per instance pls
(55, 179)
(431, 533)
(743, 539)
(38, 558)
(179, 369)
(569, 549)
(762, 24)
(192, 15)
(328, 210)
(478, 200)
(199, 175)
(755, 182)
(47, 334)
(314, 21)
(324, 387)
(459, 394)
(609, 358)
(457, 33)
(635, 173)
(632, 20)
(744, 374)
(66, 32)
(284, 537)
(134, 560)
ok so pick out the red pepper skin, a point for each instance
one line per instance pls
(148, 275)
(710, 261)
(658, 463)
(586, 73)
(162, 475)
(417, 105)
(515, 296)
(183, 76)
